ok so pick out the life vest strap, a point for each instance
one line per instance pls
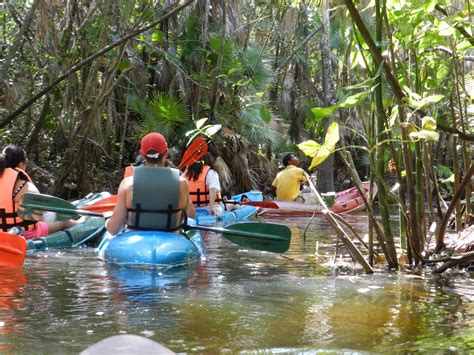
(10, 219)
(169, 212)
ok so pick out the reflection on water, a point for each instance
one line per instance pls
(237, 301)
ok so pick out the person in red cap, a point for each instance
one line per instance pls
(155, 197)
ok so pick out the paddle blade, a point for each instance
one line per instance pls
(40, 207)
(195, 151)
(270, 237)
(105, 205)
(12, 249)
(33, 207)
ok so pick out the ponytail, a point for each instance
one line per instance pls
(194, 170)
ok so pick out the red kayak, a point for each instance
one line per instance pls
(345, 202)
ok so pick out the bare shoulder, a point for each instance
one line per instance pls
(126, 184)
(30, 187)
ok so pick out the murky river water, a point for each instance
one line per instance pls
(237, 301)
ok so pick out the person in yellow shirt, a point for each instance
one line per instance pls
(288, 181)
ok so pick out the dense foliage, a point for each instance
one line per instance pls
(81, 80)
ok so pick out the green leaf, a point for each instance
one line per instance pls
(445, 29)
(322, 152)
(332, 135)
(463, 45)
(158, 37)
(321, 112)
(393, 116)
(310, 147)
(424, 135)
(322, 155)
(265, 114)
(429, 5)
(354, 100)
(430, 100)
(428, 123)
(448, 180)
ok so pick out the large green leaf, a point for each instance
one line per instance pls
(321, 112)
(348, 102)
(310, 147)
(321, 152)
(265, 114)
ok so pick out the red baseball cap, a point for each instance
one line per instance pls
(153, 145)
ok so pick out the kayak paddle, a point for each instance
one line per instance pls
(195, 151)
(33, 207)
(105, 205)
(12, 249)
(270, 237)
(260, 236)
(263, 204)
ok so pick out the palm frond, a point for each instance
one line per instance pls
(256, 65)
(254, 128)
(161, 113)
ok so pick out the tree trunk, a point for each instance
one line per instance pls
(326, 171)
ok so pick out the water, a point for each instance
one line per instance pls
(237, 301)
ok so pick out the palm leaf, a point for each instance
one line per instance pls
(162, 113)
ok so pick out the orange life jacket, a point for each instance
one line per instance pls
(8, 206)
(198, 190)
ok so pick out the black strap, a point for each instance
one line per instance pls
(5, 226)
(170, 212)
(19, 189)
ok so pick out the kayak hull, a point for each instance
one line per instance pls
(71, 237)
(243, 213)
(346, 201)
(157, 249)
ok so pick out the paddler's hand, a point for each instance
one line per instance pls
(216, 210)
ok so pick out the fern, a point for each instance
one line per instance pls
(162, 113)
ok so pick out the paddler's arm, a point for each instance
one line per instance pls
(119, 216)
(185, 202)
(214, 209)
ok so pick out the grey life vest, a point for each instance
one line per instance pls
(155, 199)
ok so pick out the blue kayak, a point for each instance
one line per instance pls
(243, 213)
(252, 195)
(157, 249)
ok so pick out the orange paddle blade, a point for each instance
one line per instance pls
(12, 249)
(195, 151)
(105, 205)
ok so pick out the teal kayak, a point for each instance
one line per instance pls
(92, 228)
